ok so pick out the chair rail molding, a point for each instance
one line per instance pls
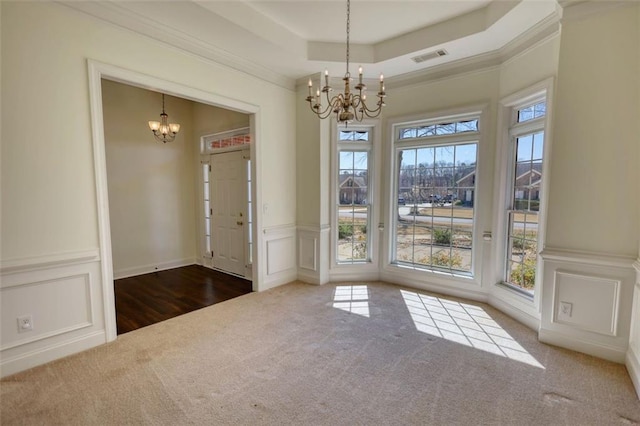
(26, 264)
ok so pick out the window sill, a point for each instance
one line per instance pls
(524, 294)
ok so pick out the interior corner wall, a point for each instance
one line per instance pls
(307, 162)
(151, 184)
(312, 192)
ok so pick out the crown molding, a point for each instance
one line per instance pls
(534, 37)
(118, 15)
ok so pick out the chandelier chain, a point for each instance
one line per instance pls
(348, 105)
(348, 28)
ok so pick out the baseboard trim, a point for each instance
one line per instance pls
(633, 367)
(309, 277)
(147, 269)
(27, 360)
(590, 348)
(517, 314)
(281, 278)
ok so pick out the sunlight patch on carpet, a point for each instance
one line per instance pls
(352, 298)
(465, 324)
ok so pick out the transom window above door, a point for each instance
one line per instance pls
(225, 141)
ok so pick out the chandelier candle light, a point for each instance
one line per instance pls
(163, 130)
(347, 106)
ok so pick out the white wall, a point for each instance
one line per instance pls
(593, 202)
(49, 199)
(533, 65)
(592, 224)
(151, 184)
(207, 119)
(45, 48)
(314, 203)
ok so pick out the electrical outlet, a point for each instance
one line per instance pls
(565, 310)
(25, 323)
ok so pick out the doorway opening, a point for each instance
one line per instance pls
(158, 211)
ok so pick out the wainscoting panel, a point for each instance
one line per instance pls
(63, 299)
(587, 302)
(633, 354)
(307, 253)
(594, 302)
(280, 255)
(313, 246)
(62, 305)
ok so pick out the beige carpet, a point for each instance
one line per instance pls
(330, 355)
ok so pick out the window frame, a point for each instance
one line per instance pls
(372, 147)
(509, 129)
(395, 145)
(517, 130)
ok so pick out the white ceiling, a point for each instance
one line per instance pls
(285, 41)
(371, 21)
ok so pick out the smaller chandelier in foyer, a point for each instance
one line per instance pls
(347, 105)
(163, 130)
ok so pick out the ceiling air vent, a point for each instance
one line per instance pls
(430, 55)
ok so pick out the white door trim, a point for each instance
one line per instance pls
(97, 71)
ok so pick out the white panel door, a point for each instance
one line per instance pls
(228, 201)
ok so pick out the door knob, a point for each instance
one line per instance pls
(239, 223)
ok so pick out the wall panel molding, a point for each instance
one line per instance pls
(312, 259)
(604, 298)
(48, 288)
(308, 252)
(633, 353)
(280, 254)
(599, 287)
(64, 297)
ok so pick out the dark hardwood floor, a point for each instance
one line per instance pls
(147, 299)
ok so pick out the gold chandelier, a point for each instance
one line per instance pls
(347, 106)
(163, 130)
